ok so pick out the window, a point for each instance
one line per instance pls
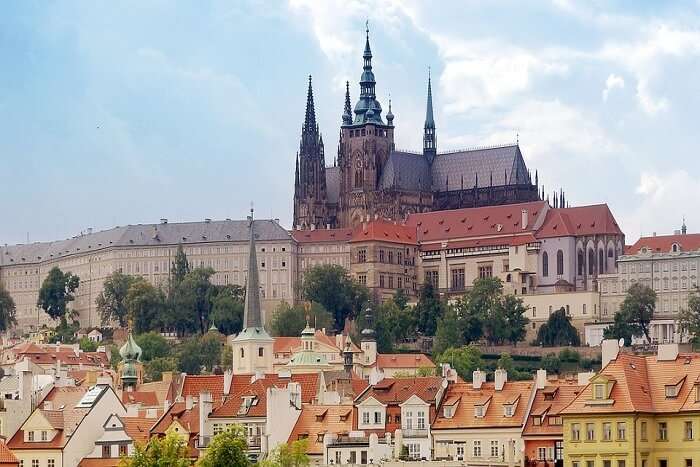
(590, 432)
(362, 256)
(575, 432)
(621, 463)
(363, 457)
(536, 420)
(35, 462)
(579, 261)
(560, 263)
(353, 457)
(485, 271)
(377, 417)
(365, 418)
(421, 420)
(362, 279)
(689, 463)
(591, 262)
(607, 431)
(381, 281)
(607, 463)
(414, 450)
(545, 264)
(44, 436)
(621, 431)
(458, 279)
(337, 457)
(432, 277)
(494, 448)
(399, 282)
(122, 451)
(391, 281)
(663, 463)
(590, 463)
(30, 436)
(479, 411)
(381, 256)
(555, 420)
(599, 391)
(242, 353)
(477, 448)
(508, 410)
(663, 431)
(106, 451)
(688, 430)
(558, 449)
(643, 431)
(52, 462)
(409, 420)
(575, 464)
(460, 453)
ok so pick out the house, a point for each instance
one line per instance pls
(543, 433)
(19, 394)
(315, 422)
(402, 364)
(641, 410)
(65, 427)
(7, 459)
(184, 419)
(95, 335)
(47, 356)
(482, 422)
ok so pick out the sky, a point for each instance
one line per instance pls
(115, 113)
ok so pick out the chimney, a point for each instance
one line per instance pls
(523, 219)
(313, 226)
(667, 352)
(163, 220)
(207, 221)
(26, 383)
(478, 378)
(228, 379)
(541, 378)
(653, 234)
(151, 413)
(328, 227)
(205, 407)
(500, 377)
(167, 376)
(132, 410)
(189, 402)
(584, 377)
(609, 350)
(258, 375)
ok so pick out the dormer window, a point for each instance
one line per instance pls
(671, 391)
(537, 420)
(673, 387)
(479, 411)
(675, 248)
(508, 410)
(599, 391)
(448, 411)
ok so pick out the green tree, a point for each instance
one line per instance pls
(429, 309)
(400, 298)
(227, 358)
(513, 311)
(196, 292)
(227, 309)
(506, 362)
(111, 302)
(155, 368)
(180, 266)
(56, 292)
(153, 345)
(114, 356)
(291, 320)
(551, 363)
(449, 332)
(620, 329)
(331, 286)
(463, 359)
(689, 318)
(393, 324)
(638, 309)
(170, 451)
(145, 305)
(8, 311)
(288, 455)
(86, 345)
(470, 319)
(199, 352)
(227, 449)
(558, 331)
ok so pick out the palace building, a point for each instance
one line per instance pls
(371, 179)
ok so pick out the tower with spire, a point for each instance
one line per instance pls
(310, 196)
(429, 139)
(252, 347)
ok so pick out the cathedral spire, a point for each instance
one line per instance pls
(347, 110)
(429, 143)
(310, 119)
(368, 109)
(252, 312)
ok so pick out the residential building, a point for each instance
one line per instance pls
(666, 263)
(482, 422)
(50, 356)
(318, 421)
(321, 246)
(639, 410)
(7, 459)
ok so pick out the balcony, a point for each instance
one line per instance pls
(253, 441)
(203, 441)
(415, 433)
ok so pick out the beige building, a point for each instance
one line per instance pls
(321, 246)
(668, 264)
(148, 250)
(582, 306)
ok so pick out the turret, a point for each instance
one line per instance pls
(131, 355)
(429, 137)
(368, 109)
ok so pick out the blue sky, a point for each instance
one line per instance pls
(124, 112)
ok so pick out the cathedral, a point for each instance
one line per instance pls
(371, 179)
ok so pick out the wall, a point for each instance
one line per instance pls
(582, 307)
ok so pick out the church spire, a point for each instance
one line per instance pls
(368, 109)
(429, 143)
(310, 119)
(347, 110)
(251, 312)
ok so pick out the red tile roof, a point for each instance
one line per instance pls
(580, 220)
(286, 344)
(384, 231)
(6, 456)
(399, 390)
(138, 428)
(511, 240)
(193, 385)
(549, 402)
(322, 235)
(99, 462)
(145, 398)
(664, 243)
(403, 360)
(316, 420)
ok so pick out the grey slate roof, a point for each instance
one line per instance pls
(333, 184)
(406, 171)
(143, 235)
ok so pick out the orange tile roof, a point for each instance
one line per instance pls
(399, 390)
(316, 420)
(286, 344)
(138, 428)
(664, 243)
(193, 385)
(6, 456)
(145, 398)
(639, 385)
(403, 360)
(464, 414)
(322, 235)
(475, 222)
(384, 231)
(580, 220)
(230, 408)
(549, 402)
(189, 419)
(99, 462)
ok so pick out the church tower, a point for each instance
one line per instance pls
(429, 138)
(252, 347)
(365, 144)
(310, 198)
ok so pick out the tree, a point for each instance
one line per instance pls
(227, 309)
(638, 309)
(153, 345)
(8, 310)
(558, 331)
(463, 359)
(449, 332)
(291, 320)
(689, 318)
(199, 352)
(551, 363)
(86, 345)
(170, 451)
(513, 311)
(114, 356)
(428, 310)
(56, 292)
(620, 329)
(470, 320)
(227, 358)
(196, 292)
(145, 305)
(330, 285)
(393, 324)
(228, 448)
(155, 368)
(288, 455)
(180, 266)
(111, 302)
(400, 298)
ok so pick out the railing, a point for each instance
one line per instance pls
(415, 433)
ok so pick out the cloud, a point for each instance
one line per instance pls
(613, 81)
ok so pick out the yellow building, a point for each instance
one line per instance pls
(639, 411)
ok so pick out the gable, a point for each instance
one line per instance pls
(113, 423)
(414, 400)
(37, 422)
(371, 402)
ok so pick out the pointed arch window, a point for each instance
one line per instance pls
(579, 260)
(560, 263)
(545, 264)
(601, 261)
(591, 262)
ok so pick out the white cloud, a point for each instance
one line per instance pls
(613, 81)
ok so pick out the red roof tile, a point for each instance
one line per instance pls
(580, 220)
(403, 360)
(322, 235)
(549, 402)
(316, 420)
(6, 455)
(384, 231)
(193, 385)
(399, 390)
(664, 243)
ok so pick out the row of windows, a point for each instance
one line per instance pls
(664, 266)
(37, 463)
(662, 431)
(560, 263)
(658, 284)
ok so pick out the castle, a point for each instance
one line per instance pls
(371, 179)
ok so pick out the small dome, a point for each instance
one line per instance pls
(130, 350)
